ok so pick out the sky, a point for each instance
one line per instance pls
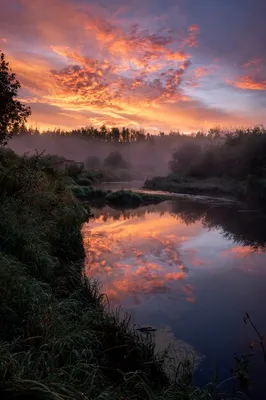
(160, 65)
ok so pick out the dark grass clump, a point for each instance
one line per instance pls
(83, 181)
(124, 198)
(90, 195)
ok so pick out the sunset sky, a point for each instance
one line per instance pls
(156, 64)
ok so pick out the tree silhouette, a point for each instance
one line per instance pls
(13, 114)
(115, 160)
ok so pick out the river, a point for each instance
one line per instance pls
(191, 268)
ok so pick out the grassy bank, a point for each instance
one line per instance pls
(119, 198)
(208, 186)
(58, 340)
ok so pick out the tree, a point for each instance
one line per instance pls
(115, 134)
(93, 162)
(125, 135)
(184, 157)
(13, 114)
(115, 160)
(214, 133)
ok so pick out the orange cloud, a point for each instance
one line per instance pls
(202, 71)
(199, 73)
(191, 39)
(133, 70)
(246, 82)
(242, 251)
(189, 291)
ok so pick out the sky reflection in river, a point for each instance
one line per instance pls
(139, 256)
(149, 251)
(192, 266)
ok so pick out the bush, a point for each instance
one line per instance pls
(93, 162)
(88, 193)
(82, 181)
(115, 160)
(124, 198)
(73, 170)
(184, 158)
(68, 180)
(77, 190)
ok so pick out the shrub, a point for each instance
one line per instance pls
(82, 181)
(68, 180)
(115, 160)
(77, 190)
(184, 158)
(73, 170)
(88, 193)
(124, 198)
(93, 162)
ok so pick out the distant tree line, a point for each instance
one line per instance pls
(125, 135)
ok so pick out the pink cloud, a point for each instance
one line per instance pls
(246, 82)
(203, 71)
(193, 32)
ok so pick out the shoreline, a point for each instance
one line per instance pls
(59, 337)
(205, 187)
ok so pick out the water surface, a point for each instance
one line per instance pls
(195, 267)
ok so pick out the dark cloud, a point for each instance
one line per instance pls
(233, 31)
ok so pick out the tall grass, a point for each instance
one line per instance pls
(58, 339)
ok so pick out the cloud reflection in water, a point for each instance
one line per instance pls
(138, 256)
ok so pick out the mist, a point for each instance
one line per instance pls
(144, 159)
(146, 155)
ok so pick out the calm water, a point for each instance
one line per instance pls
(194, 267)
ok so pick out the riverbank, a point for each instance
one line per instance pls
(208, 187)
(251, 191)
(117, 198)
(58, 338)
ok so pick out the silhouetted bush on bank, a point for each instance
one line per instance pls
(124, 198)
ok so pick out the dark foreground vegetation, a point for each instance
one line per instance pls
(234, 165)
(58, 340)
